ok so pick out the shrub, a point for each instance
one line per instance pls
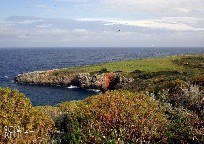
(17, 113)
(198, 80)
(174, 86)
(118, 116)
(193, 98)
(103, 70)
(191, 61)
(185, 127)
(190, 97)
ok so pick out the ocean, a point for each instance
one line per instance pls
(20, 60)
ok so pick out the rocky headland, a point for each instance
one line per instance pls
(101, 81)
(135, 75)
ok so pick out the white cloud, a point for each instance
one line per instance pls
(80, 31)
(169, 31)
(174, 15)
(185, 20)
(160, 7)
(29, 21)
(182, 10)
(44, 26)
(168, 23)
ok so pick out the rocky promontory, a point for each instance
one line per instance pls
(102, 81)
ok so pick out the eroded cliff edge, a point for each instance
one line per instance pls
(101, 81)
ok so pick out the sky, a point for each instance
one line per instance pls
(101, 23)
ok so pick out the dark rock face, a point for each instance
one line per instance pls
(102, 81)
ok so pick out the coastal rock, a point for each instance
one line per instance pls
(46, 78)
(101, 81)
(104, 81)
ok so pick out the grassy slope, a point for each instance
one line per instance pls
(147, 65)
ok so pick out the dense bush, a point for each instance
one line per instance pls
(198, 80)
(191, 61)
(103, 70)
(122, 116)
(17, 114)
(185, 109)
(173, 86)
(189, 96)
(114, 117)
(156, 81)
(185, 126)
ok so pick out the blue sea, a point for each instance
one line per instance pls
(20, 60)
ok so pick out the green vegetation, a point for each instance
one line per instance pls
(115, 116)
(17, 113)
(164, 104)
(125, 117)
(171, 63)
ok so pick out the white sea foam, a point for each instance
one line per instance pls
(95, 90)
(72, 87)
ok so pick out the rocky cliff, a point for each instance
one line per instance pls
(101, 81)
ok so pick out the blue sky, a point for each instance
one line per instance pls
(101, 23)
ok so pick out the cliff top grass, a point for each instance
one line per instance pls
(182, 63)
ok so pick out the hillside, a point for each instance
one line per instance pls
(159, 100)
